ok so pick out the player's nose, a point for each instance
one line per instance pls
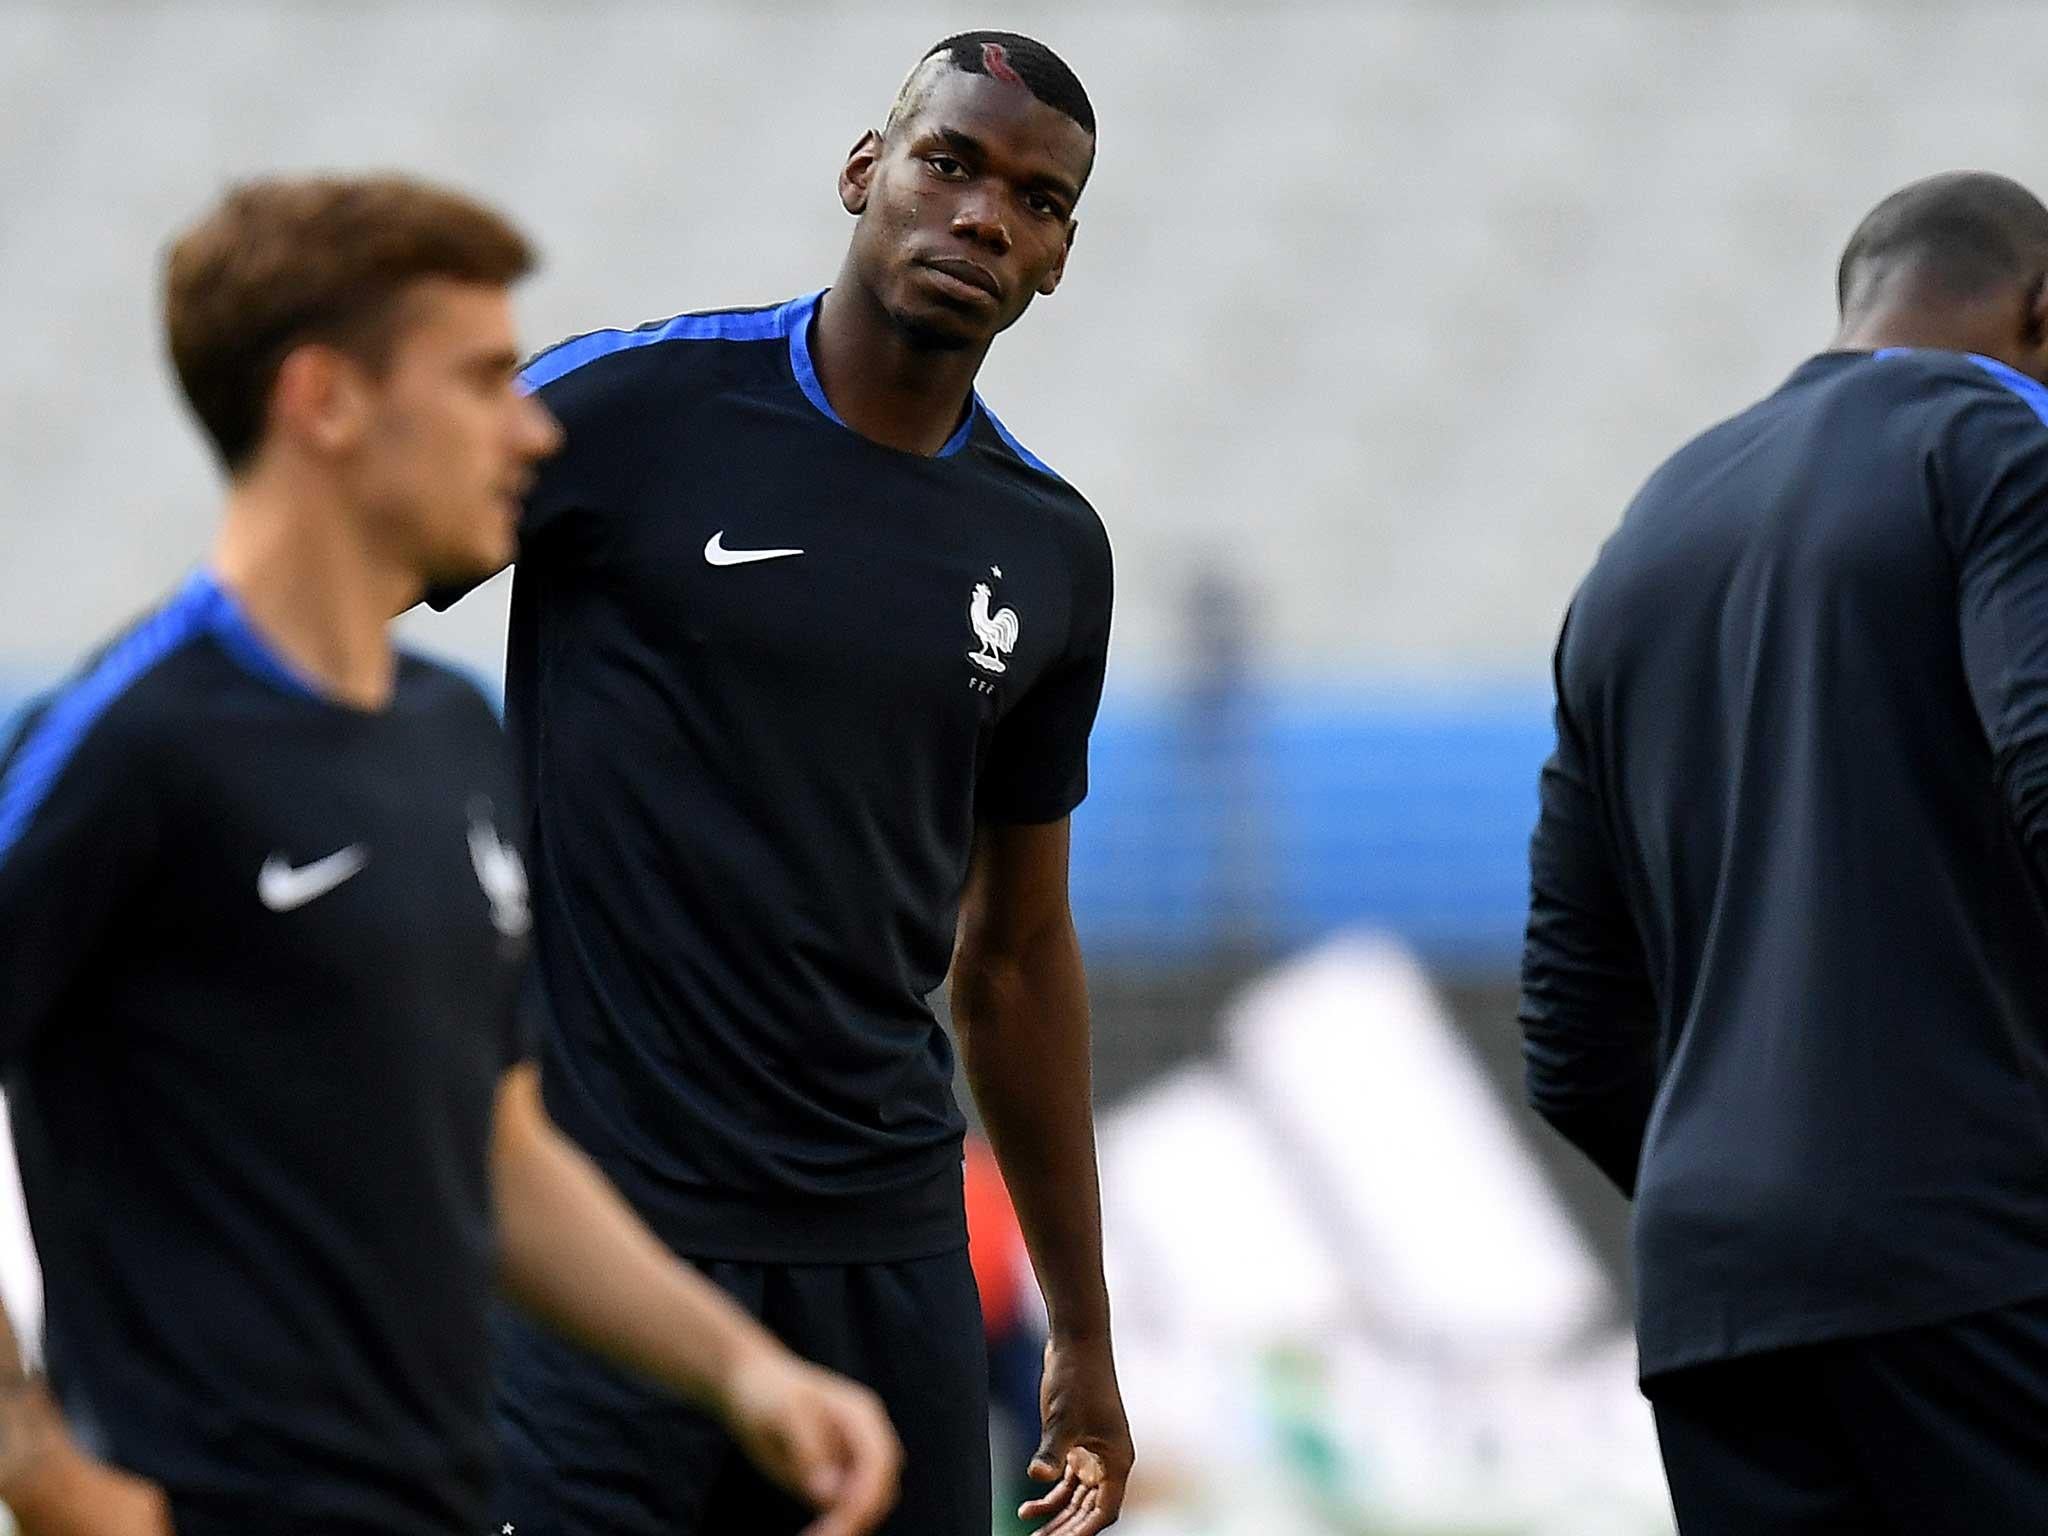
(540, 434)
(979, 217)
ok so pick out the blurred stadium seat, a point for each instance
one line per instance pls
(1382, 307)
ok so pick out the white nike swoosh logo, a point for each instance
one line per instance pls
(716, 552)
(282, 888)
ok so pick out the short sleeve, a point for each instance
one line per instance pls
(77, 840)
(1036, 769)
(521, 1002)
(526, 1019)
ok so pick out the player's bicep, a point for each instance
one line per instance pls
(1588, 1016)
(1582, 965)
(1016, 885)
(77, 836)
(2001, 559)
(1585, 988)
(517, 1116)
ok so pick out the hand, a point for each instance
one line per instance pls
(54, 1488)
(1085, 1450)
(824, 1438)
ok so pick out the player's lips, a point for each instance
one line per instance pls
(966, 275)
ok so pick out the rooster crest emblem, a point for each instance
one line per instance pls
(996, 631)
(500, 873)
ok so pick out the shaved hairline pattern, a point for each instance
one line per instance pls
(1006, 56)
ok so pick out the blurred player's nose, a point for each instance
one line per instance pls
(539, 433)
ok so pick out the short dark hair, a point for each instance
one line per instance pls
(1008, 56)
(1967, 231)
(282, 261)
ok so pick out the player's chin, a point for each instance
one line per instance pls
(497, 531)
(488, 552)
(939, 326)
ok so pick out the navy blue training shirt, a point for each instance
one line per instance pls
(259, 956)
(764, 676)
(1787, 964)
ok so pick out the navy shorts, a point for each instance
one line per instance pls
(1936, 1431)
(588, 1450)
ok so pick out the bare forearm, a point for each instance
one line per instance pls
(1024, 1031)
(576, 1256)
(46, 1481)
(36, 1455)
(31, 1440)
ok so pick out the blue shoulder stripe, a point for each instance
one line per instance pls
(55, 738)
(2030, 390)
(1016, 447)
(716, 325)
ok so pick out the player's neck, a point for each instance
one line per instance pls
(1985, 329)
(312, 591)
(883, 385)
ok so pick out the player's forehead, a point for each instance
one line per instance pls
(445, 314)
(1003, 116)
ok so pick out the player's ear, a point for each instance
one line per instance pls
(2034, 325)
(320, 397)
(858, 174)
(1051, 280)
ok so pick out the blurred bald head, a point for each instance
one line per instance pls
(1959, 235)
(1958, 261)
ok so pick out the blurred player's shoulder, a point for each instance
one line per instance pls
(138, 690)
(1855, 392)
(1957, 382)
(190, 658)
(1967, 369)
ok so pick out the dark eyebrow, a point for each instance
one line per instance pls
(964, 144)
(968, 147)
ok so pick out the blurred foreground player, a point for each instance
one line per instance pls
(1787, 968)
(805, 651)
(263, 945)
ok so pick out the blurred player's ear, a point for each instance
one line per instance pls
(858, 174)
(2034, 326)
(320, 397)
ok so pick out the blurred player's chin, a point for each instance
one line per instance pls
(467, 566)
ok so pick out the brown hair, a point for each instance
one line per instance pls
(284, 261)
